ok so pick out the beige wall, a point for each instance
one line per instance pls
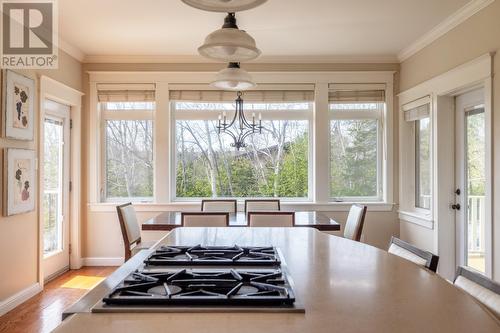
(19, 233)
(476, 36)
(102, 237)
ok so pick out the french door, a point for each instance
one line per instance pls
(472, 220)
(55, 190)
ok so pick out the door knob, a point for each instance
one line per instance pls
(455, 206)
(457, 191)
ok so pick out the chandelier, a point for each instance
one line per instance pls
(239, 128)
(230, 44)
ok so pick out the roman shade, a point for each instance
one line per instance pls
(299, 93)
(126, 92)
(418, 109)
(353, 93)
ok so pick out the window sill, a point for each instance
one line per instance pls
(195, 205)
(412, 217)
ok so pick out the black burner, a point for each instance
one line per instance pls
(196, 287)
(213, 255)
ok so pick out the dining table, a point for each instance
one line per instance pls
(319, 220)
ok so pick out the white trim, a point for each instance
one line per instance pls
(178, 59)
(59, 92)
(71, 50)
(163, 125)
(195, 206)
(471, 75)
(19, 298)
(417, 219)
(442, 28)
(451, 82)
(103, 261)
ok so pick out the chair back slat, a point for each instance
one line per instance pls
(484, 290)
(131, 231)
(409, 252)
(271, 219)
(355, 221)
(219, 205)
(205, 219)
(257, 205)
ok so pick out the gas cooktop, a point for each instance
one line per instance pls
(213, 255)
(204, 287)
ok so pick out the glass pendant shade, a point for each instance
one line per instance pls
(229, 45)
(233, 78)
(224, 6)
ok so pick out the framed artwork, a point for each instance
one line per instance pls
(20, 181)
(18, 103)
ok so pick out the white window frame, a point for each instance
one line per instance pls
(407, 184)
(361, 114)
(319, 135)
(416, 164)
(266, 115)
(130, 115)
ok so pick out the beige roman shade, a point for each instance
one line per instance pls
(418, 109)
(292, 93)
(353, 93)
(126, 92)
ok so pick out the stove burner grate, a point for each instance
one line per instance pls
(213, 255)
(197, 287)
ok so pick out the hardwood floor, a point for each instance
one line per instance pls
(42, 313)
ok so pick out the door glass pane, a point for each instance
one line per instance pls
(475, 184)
(52, 192)
(422, 164)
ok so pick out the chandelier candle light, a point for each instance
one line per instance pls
(242, 128)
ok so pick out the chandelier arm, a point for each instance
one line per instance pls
(246, 134)
(232, 121)
(229, 132)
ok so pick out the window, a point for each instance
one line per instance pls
(127, 150)
(273, 164)
(422, 164)
(356, 149)
(418, 113)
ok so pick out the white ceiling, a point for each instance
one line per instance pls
(297, 28)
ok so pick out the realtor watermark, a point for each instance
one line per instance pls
(29, 34)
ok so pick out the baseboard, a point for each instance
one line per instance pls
(103, 261)
(19, 298)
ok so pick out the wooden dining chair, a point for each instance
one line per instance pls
(256, 205)
(271, 219)
(131, 231)
(219, 205)
(355, 221)
(409, 252)
(205, 219)
(484, 290)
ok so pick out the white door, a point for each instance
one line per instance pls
(55, 189)
(470, 205)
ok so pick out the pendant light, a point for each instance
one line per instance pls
(229, 44)
(233, 78)
(224, 6)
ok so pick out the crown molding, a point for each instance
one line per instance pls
(442, 28)
(263, 59)
(72, 50)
